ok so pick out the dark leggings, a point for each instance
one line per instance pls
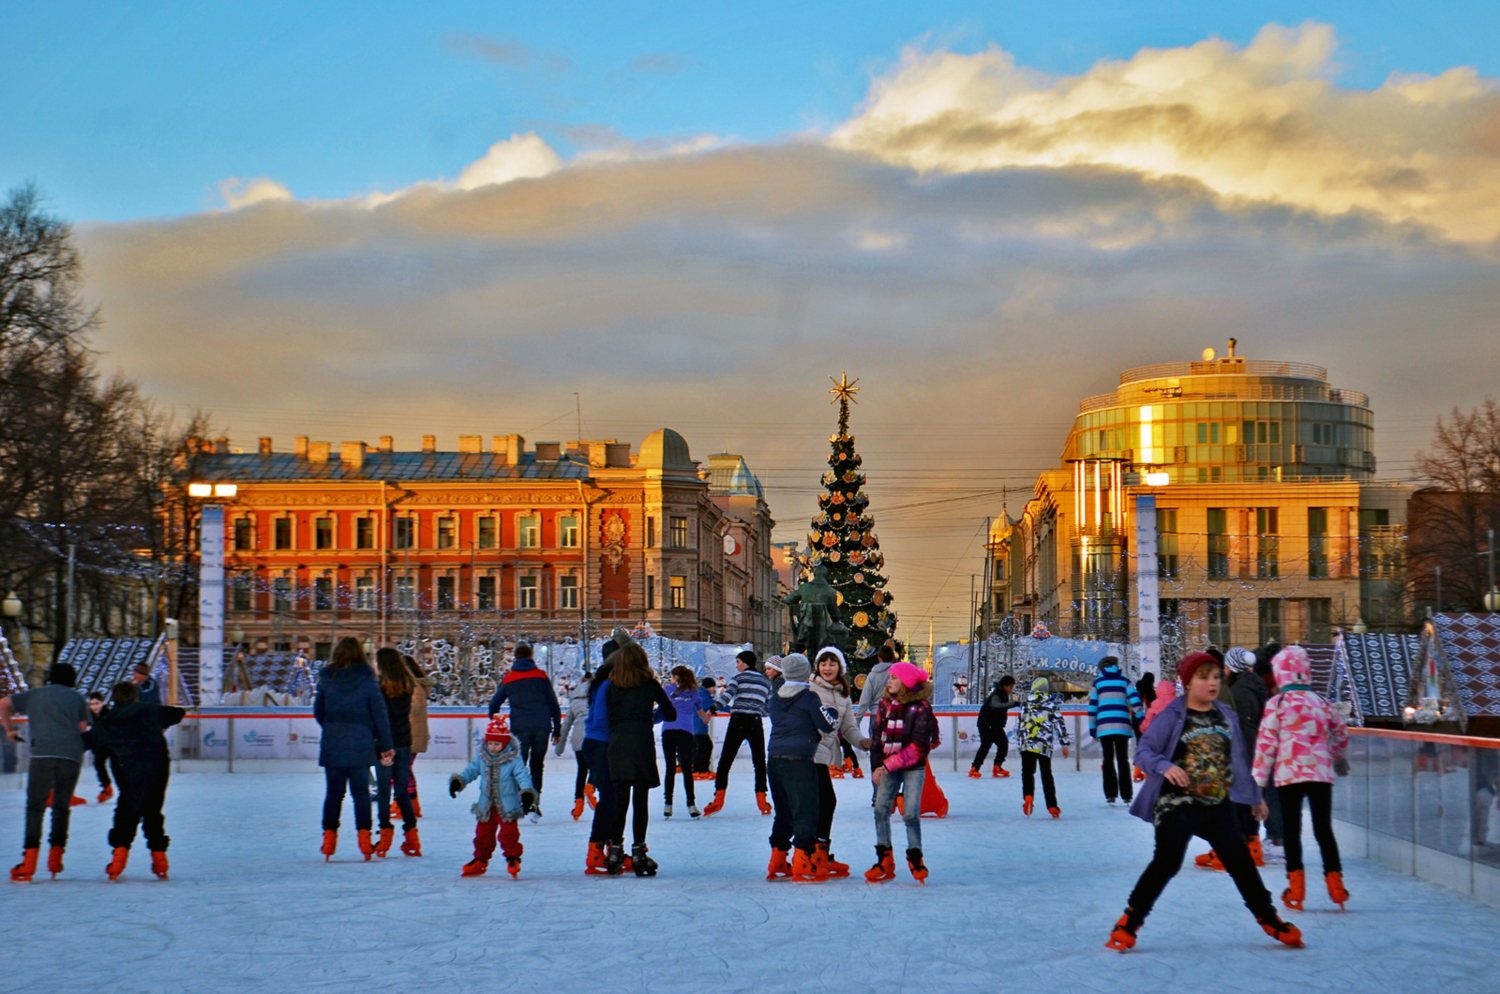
(678, 749)
(628, 793)
(1117, 782)
(583, 777)
(828, 803)
(1216, 825)
(1029, 763)
(101, 766)
(596, 754)
(1320, 799)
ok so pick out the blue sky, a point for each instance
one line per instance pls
(129, 110)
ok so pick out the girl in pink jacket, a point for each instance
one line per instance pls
(1302, 744)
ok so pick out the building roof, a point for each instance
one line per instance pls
(398, 466)
(666, 452)
(1379, 667)
(1471, 648)
(729, 475)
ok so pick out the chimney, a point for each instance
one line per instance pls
(387, 443)
(265, 445)
(352, 454)
(548, 451)
(318, 452)
(470, 444)
(221, 446)
(1232, 343)
(617, 455)
(598, 453)
(508, 447)
(301, 449)
(429, 443)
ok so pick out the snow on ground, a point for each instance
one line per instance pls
(1013, 904)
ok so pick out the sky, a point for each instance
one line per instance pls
(348, 220)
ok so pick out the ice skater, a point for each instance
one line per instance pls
(1302, 743)
(56, 722)
(534, 715)
(505, 793)
(798, 723)
(1114, 708)
(421, 734)
(831, 684)
(703, 739)
(397, 687)
(993, 715)
(746, 697)
(1197, 765)
(677, 746)
(356, 727)
(584, 789)
(133, 731)
(102, 757)
(630, 702)
(902, 733)
(1040, 728)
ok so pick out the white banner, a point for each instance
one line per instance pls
(211, 605)
(1147, 590)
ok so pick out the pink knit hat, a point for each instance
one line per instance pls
(908, 674)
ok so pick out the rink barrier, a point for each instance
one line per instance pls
(1424, 804)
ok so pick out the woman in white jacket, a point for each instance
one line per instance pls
(572, 734)
(831, 684)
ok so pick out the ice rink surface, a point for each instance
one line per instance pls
(1013, 904)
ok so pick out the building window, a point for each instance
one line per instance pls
(1320, 619)
(567, 532)
(1262, 432)
(650, 533)
(447, 587)
(678, 586)
(1218, 622)
(322, 651)
(1270, 620)
(1166, 543)
(281, 597)
(526, 595)
(1218, 544)
(529, 527)
(1268, 544)
(406, 531)
(447, 533)
(242, 592)
(487, 532)
(679, 538)
(650, 592)
(999, 570)
(364, 533)
(323, 533)
(406, 593)
(567, 589)
(323, 593)
(283, 536)
(1317, 542)
(485, 598)
(364, 591)
(244, 538)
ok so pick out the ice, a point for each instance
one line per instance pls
(1013, 904)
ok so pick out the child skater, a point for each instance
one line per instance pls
(993, 715)
(573, 726)
(132, 731)
(677, 746)
(1040, 727)
(102, 758)
(1302, 741)
(505, 792)
(831, 684)
(799, 721)
(902, 733)
(1197, 766)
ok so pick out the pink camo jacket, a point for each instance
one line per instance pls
(1301, 734)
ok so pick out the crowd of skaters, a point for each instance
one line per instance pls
(1224, 749)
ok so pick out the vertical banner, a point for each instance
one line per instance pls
(211, 606)
(1147, 592)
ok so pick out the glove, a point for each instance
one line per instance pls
(455, 784)
(558, 748)
(528, 799)
(1341, 767)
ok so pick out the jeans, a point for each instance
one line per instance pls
(357, 779)
(1320, 800)
(1275, 823)
(910, 782)
(596, 754)
(1030, 761)
(743, 728)
(1215, 824)
(1002, 749)
(396, 775)
(1117, 781)
(533, 746)
(142, 794)
(794, 798)
(57, 777)
(678, 749)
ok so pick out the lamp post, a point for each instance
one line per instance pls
(11, 608)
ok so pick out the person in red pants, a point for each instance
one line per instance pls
(505, 792)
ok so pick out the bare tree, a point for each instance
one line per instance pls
(1450, 519)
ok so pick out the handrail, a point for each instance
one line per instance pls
(1436, 738)
(1225, 367)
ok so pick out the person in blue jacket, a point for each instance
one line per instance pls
(535, 715)
(356, 733)
(798, 723)
(1114, 708)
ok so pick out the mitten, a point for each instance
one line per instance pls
(528, 799)
(1341, 767)
(455, 784)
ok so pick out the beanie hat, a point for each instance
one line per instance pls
(794, 667)
(908, 674)
(775, 663)
(746, 656)
(1040, 685)
(1190, 664)
(829, 650)
(499, 730)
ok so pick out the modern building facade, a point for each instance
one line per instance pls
(1270, 525)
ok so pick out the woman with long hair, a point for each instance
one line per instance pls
(831, 683)
(396, 686)
(421, 734)
(595, 752)
(630, 701)
(356, 734)
(677, 745)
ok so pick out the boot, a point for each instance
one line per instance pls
(117, 862)
(1138, 776)
(1280, 930)
(590, 796)
(999, 771)
(614, 861)
(848, 764)
(1055, 812)
(820, 863)
(578, 809)
(643, 865)
(1257, 853)
(693, 812)
(1296, 890)
(76, 801)
(330, 843)
(23, 871)
(779, 866)
(106, 793)
(383, 846)
(803, 869)
(513, 866)
(416, 806)
(916, 866)
(1123, 935)
(159, 864)
(1027, 804)
(54, 861)
(593, 866)
(884, 868)
(395, 811)
(666, 810)
(1336, 892)
(900, 805)
(411, 842)
(857, 773)
(835, 868)
(974, 773)
(1209, 861)
(716, 804)
(836, 772)
(475, 867)
(762, 803)
(365, 845)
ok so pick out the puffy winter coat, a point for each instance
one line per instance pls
(133, 733)
(1113, 703)
(351, 709)
(1041, 725)
(504, 778)
(1153, 754)
(904, 729)
(1166, 693)
(576, 718)
(1250, 695)
(1301, 734)
(421, 734)
(533, 702)
(844, 724)
(798, 722)
(995, 712)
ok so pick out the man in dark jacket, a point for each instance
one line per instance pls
(798, 722)
(133, 731)
(535, 715)
(146, 685)
(57, 719)
(993, 715)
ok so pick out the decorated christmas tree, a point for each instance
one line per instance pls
(843, 541)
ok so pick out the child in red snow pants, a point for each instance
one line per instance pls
(485, 834)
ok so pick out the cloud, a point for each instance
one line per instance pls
(1265, 122)
(520, 157)
(509, 53)
(660, 63)
(237, 193)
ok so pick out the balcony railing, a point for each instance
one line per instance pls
(1222, 367)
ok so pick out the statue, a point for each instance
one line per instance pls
(816, 614)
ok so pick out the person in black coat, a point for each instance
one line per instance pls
(397, 687)
(631, 700)
(356, 733)
(132, 731)
(993, 715)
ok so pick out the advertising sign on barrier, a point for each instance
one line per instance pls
(303, 738)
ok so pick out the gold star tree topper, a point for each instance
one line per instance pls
(843, 393)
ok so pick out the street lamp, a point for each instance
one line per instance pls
(11, 605)
(1359, 627)
(236, 635)
(212, 489)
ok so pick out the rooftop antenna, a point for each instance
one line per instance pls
(578, 406)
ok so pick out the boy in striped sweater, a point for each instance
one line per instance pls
(1114, 707)
(747, 695)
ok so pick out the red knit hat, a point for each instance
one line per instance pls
(1190, 664)
(499, 730)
